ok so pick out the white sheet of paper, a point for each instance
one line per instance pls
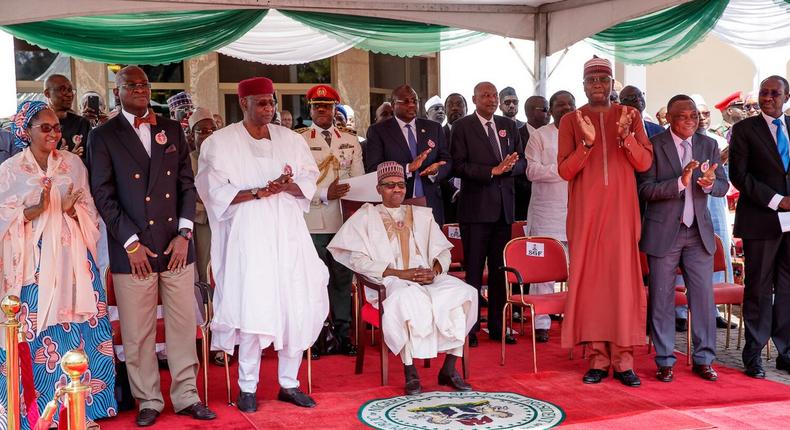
(784, 221)
(363, 188)
(535, 249)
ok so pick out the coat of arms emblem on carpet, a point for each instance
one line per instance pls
(458, 410)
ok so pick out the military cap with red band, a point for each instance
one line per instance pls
(322, 94)
(731, 99)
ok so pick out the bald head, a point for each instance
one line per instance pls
(537, 110)
(123, 75)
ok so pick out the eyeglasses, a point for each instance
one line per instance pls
(413, 101)
(771, 93)
(392, 185)
(597, 80)
(47, 128)
(509, 102)
(137, 87)
(65, 89)
(540, 109)
(751, 106)
(205, 130)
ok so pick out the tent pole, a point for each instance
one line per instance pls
(541, 53)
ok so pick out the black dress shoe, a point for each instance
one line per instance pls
(705, 372)
(555, 317)
(722, 323)
(541, 335)
(782, 364)
(594, 376)
(413, 386)
(314, 355)
(146, 417)
(347, 347)
(247, 402)
(681, 324)
(473, 340)
(454, 380)
(198, 411)
(295, 396)
(755, 371)
(497, 337)
(627, 378)
(664, 374)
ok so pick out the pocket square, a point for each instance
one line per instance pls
(171, 148)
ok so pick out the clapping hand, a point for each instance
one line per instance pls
(688, 171)
(417, 162)
(708, 176)
(70, 199)
(505, 165)
(624, 123)
(433, 168)
(78, 149)
(588, 130)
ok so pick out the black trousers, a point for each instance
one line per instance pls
(485, 242)
(766, 300)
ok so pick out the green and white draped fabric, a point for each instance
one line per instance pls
(755, 24)
(140, 38)
(661, 35)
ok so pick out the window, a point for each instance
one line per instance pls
(388, 72)
(166, 81)
(33, 65)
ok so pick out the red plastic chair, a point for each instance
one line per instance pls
(201, 294)
(518, 229)
(453, 234)
(524, 264)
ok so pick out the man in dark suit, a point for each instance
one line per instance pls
(487, 154)
(759, 169)
(141, 181)
(677, 232)
(455, 106)
(416, 143)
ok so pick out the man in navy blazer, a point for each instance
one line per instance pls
(416, 143)
(759, 168)
(141, 180)
(677, 232)
(487, 153)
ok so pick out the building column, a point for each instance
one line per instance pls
(351, 76)
(434, 74)
(89, 76)
(202, 81)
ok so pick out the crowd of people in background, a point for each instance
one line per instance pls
(158, 201)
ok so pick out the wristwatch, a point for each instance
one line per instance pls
(185, 233)
(254, 192)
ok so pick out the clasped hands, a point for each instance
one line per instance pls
(627, 117)
(276, 186)
(417, 163)
(704, 181)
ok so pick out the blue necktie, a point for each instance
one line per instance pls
(413, 151)
(781, 143)
(494, 141)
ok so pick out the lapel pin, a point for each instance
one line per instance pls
(502, 133)
(431, 144)
(161, 137)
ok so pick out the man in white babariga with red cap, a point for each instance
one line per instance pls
(256, 180)
(403, 248)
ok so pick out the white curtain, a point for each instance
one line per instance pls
(755, 24)
(278, 39)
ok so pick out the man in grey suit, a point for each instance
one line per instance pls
(677, 232)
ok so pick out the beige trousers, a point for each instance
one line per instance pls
(137, 299)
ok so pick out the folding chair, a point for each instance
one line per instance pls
(533, 260)
(518, 229)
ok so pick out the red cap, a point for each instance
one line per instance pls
(322, 94)
(729, 100)
(255, 86)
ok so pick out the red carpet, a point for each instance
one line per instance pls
(735, 401)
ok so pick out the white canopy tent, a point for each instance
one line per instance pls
(552, 24)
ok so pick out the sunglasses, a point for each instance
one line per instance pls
(751, 106)
(47, 128)
(137, 87)
(541, 109)
(392, 185)
(205, 130)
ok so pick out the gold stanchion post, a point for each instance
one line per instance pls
(75, 364)
(10, 306)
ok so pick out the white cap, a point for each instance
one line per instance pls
(435, 100)
(698, 99)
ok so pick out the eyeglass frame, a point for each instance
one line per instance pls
(56, 127)
(392, 185)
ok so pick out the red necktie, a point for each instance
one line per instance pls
(148, 119)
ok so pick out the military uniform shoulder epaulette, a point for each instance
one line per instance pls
(301, 130)
(347, 130)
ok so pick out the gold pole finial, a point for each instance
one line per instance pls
(75, 363)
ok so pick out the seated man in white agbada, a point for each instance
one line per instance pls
(402, 247)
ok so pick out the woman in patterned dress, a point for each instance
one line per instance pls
(48, 235)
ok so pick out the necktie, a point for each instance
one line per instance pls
(494, 141)
(327, 137)
(688, 202)
(781, 143)
(413, 150)
(148, 119)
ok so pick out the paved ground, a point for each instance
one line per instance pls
(732, 357)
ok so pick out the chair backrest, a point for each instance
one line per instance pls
(348, 207)
(537, 259)
(110, 288)
(518, 229)
(453, 234)
(720, 257)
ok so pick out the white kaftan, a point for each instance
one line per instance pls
(270, 281)
(427, 318)
(548, 206)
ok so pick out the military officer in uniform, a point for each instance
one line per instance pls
(339, 156)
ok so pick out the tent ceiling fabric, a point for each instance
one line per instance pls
(569, 21)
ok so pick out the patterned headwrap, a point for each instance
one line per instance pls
(24, 114)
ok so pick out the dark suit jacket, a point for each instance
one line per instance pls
(653, 129)
(756, 171)
(483, 198)
(387, 143)
(139, 195)
(659, 188)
